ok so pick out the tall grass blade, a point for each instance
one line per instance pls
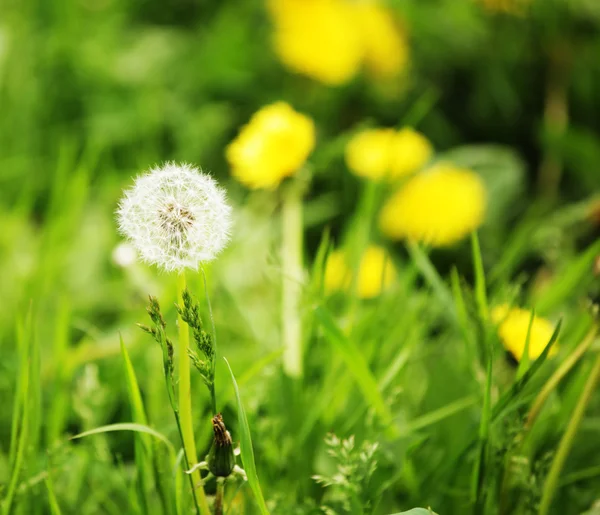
(21, 428)
(128, 426)
(247, 451)
(357, 366)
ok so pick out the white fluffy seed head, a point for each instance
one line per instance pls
(175, 216)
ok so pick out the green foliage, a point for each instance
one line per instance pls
(415, 381)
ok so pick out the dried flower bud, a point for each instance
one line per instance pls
(221, 459)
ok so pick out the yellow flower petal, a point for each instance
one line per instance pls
(317, 38)
(387, 154)
(376, 273)
(513, 331)
(273, 145)
(385, 47)
(410, 152)
(439, 206)
(368, 153)
(337, 273)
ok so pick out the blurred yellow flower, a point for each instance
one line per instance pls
(410, 152)
(513, 331)
(329, 40)
(273, 145)
(385, 46)
(337, 273)
(439, 206)
(376, 272)
(386, 153)
(317, 38)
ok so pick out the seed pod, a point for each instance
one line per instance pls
(220, 458)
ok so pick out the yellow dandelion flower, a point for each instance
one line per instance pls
(337, 274)
(386, 153)
(375, 274)
(273, 145)
(317, 38)
(439, 206)
(386, 51)
(513, 331)
(368, 153)
(410, 152)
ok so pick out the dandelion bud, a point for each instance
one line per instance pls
(221, 459)
(175, 217)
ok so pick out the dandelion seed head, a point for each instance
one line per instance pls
(175, 217)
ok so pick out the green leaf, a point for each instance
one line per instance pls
(357, 366)
(247, 451)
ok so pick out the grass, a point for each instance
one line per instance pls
(93, 94)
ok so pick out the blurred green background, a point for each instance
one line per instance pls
(94, 91)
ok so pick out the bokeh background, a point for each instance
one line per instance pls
(92, 92)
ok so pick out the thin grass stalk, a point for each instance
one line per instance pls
(213, 396)
(558, 375)
(185, 421)
(568, 438)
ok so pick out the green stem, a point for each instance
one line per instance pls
(185, 404)
(220, 493)
(291, 262)
(211, 388)
(567, 440)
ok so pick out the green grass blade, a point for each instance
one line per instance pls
(127, 426)
(565, 284)
(479, 469)
(22, 439)
(521, 382)
(52, 501)
(357, 366)
(437, 415)
(144, 458)
(480, 287)
(567, 440)
(433, 278)
(247, 451)
(524, 363)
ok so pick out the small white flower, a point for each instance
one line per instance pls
(175, 216)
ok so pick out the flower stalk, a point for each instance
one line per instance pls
(292, 271)
(185, 401)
